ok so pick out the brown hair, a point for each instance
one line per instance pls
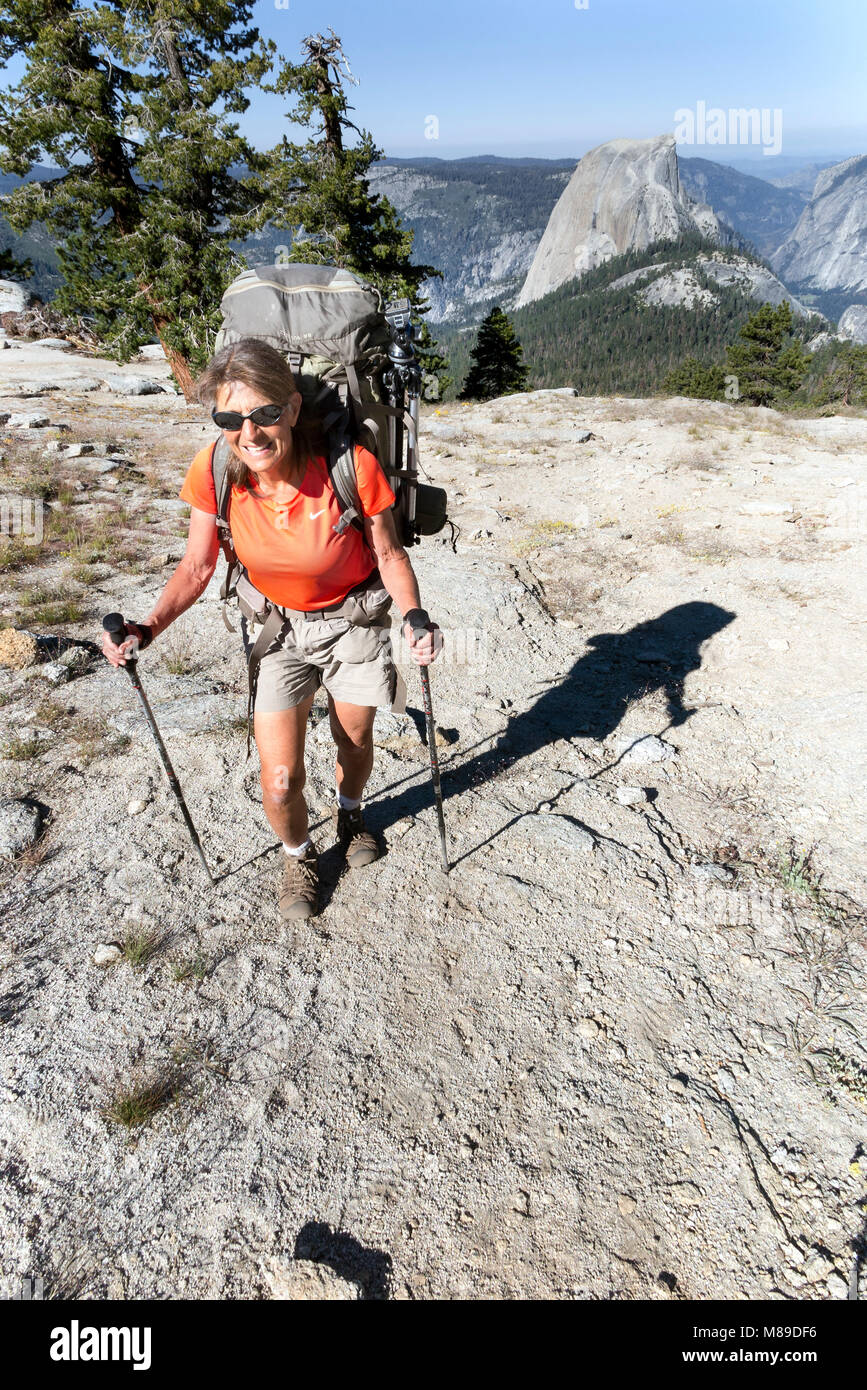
(262, 367)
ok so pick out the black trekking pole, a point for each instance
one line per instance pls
(115, 626)
(418, 620)
(402, 380)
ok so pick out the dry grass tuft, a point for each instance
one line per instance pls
(545, 533)
(140, 945)
(135, 1102)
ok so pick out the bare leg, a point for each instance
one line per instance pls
(280, 741)
(352, 729)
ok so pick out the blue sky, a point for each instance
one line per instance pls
(544, 77)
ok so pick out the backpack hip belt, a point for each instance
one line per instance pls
(274, 618)
(344, 609)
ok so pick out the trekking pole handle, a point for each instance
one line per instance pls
(418, 620)
(115, 626)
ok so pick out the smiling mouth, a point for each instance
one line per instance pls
(257, 451)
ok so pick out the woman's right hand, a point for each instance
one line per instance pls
(129, 647)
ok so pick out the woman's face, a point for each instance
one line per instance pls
(264, 448)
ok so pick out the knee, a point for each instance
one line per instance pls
(281, 785)
(358, 742)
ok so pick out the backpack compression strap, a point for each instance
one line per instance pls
(222, 489)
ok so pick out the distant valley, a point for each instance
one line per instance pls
(693, 245)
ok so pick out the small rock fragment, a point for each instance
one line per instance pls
(625, 1205)
(55, 672)
(307, 1280)
(29, 420)
(132, 385)
(760, 508)
(631, 796)
(716, 873)
(135, 808)
(588, 1028)
(20, 824)
(388, 726)
(25, 390)
(444, 738)
(644, 749)
(14, 298)
(817, 1267)
(109, 953)
(74, 658)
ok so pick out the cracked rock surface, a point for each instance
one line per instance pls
(619, 1051)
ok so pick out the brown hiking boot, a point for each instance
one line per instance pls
(299, 894)
(358, 844)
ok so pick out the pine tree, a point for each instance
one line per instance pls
(766, 366)
(694, 378)
(845, 378)
(498, 368)
(320, 191)
(134, 105)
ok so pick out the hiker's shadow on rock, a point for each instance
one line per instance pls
(591, 699)
(370, 1269)
(618, 668)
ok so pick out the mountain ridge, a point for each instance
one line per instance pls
(623, 195)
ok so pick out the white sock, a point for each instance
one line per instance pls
(347, 803)
(297, 851)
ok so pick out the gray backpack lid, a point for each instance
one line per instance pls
(317, 310)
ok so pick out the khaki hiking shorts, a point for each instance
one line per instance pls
(353, 660)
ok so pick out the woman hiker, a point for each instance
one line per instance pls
(282, 510)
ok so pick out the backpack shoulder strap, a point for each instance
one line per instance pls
(220, 456)
(341, 471)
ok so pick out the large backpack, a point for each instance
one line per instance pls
(331, 327)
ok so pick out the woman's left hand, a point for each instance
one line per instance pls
(426, 646)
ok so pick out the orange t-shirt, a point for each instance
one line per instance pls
(289, 549)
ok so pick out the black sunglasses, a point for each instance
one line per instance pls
(262, 415)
